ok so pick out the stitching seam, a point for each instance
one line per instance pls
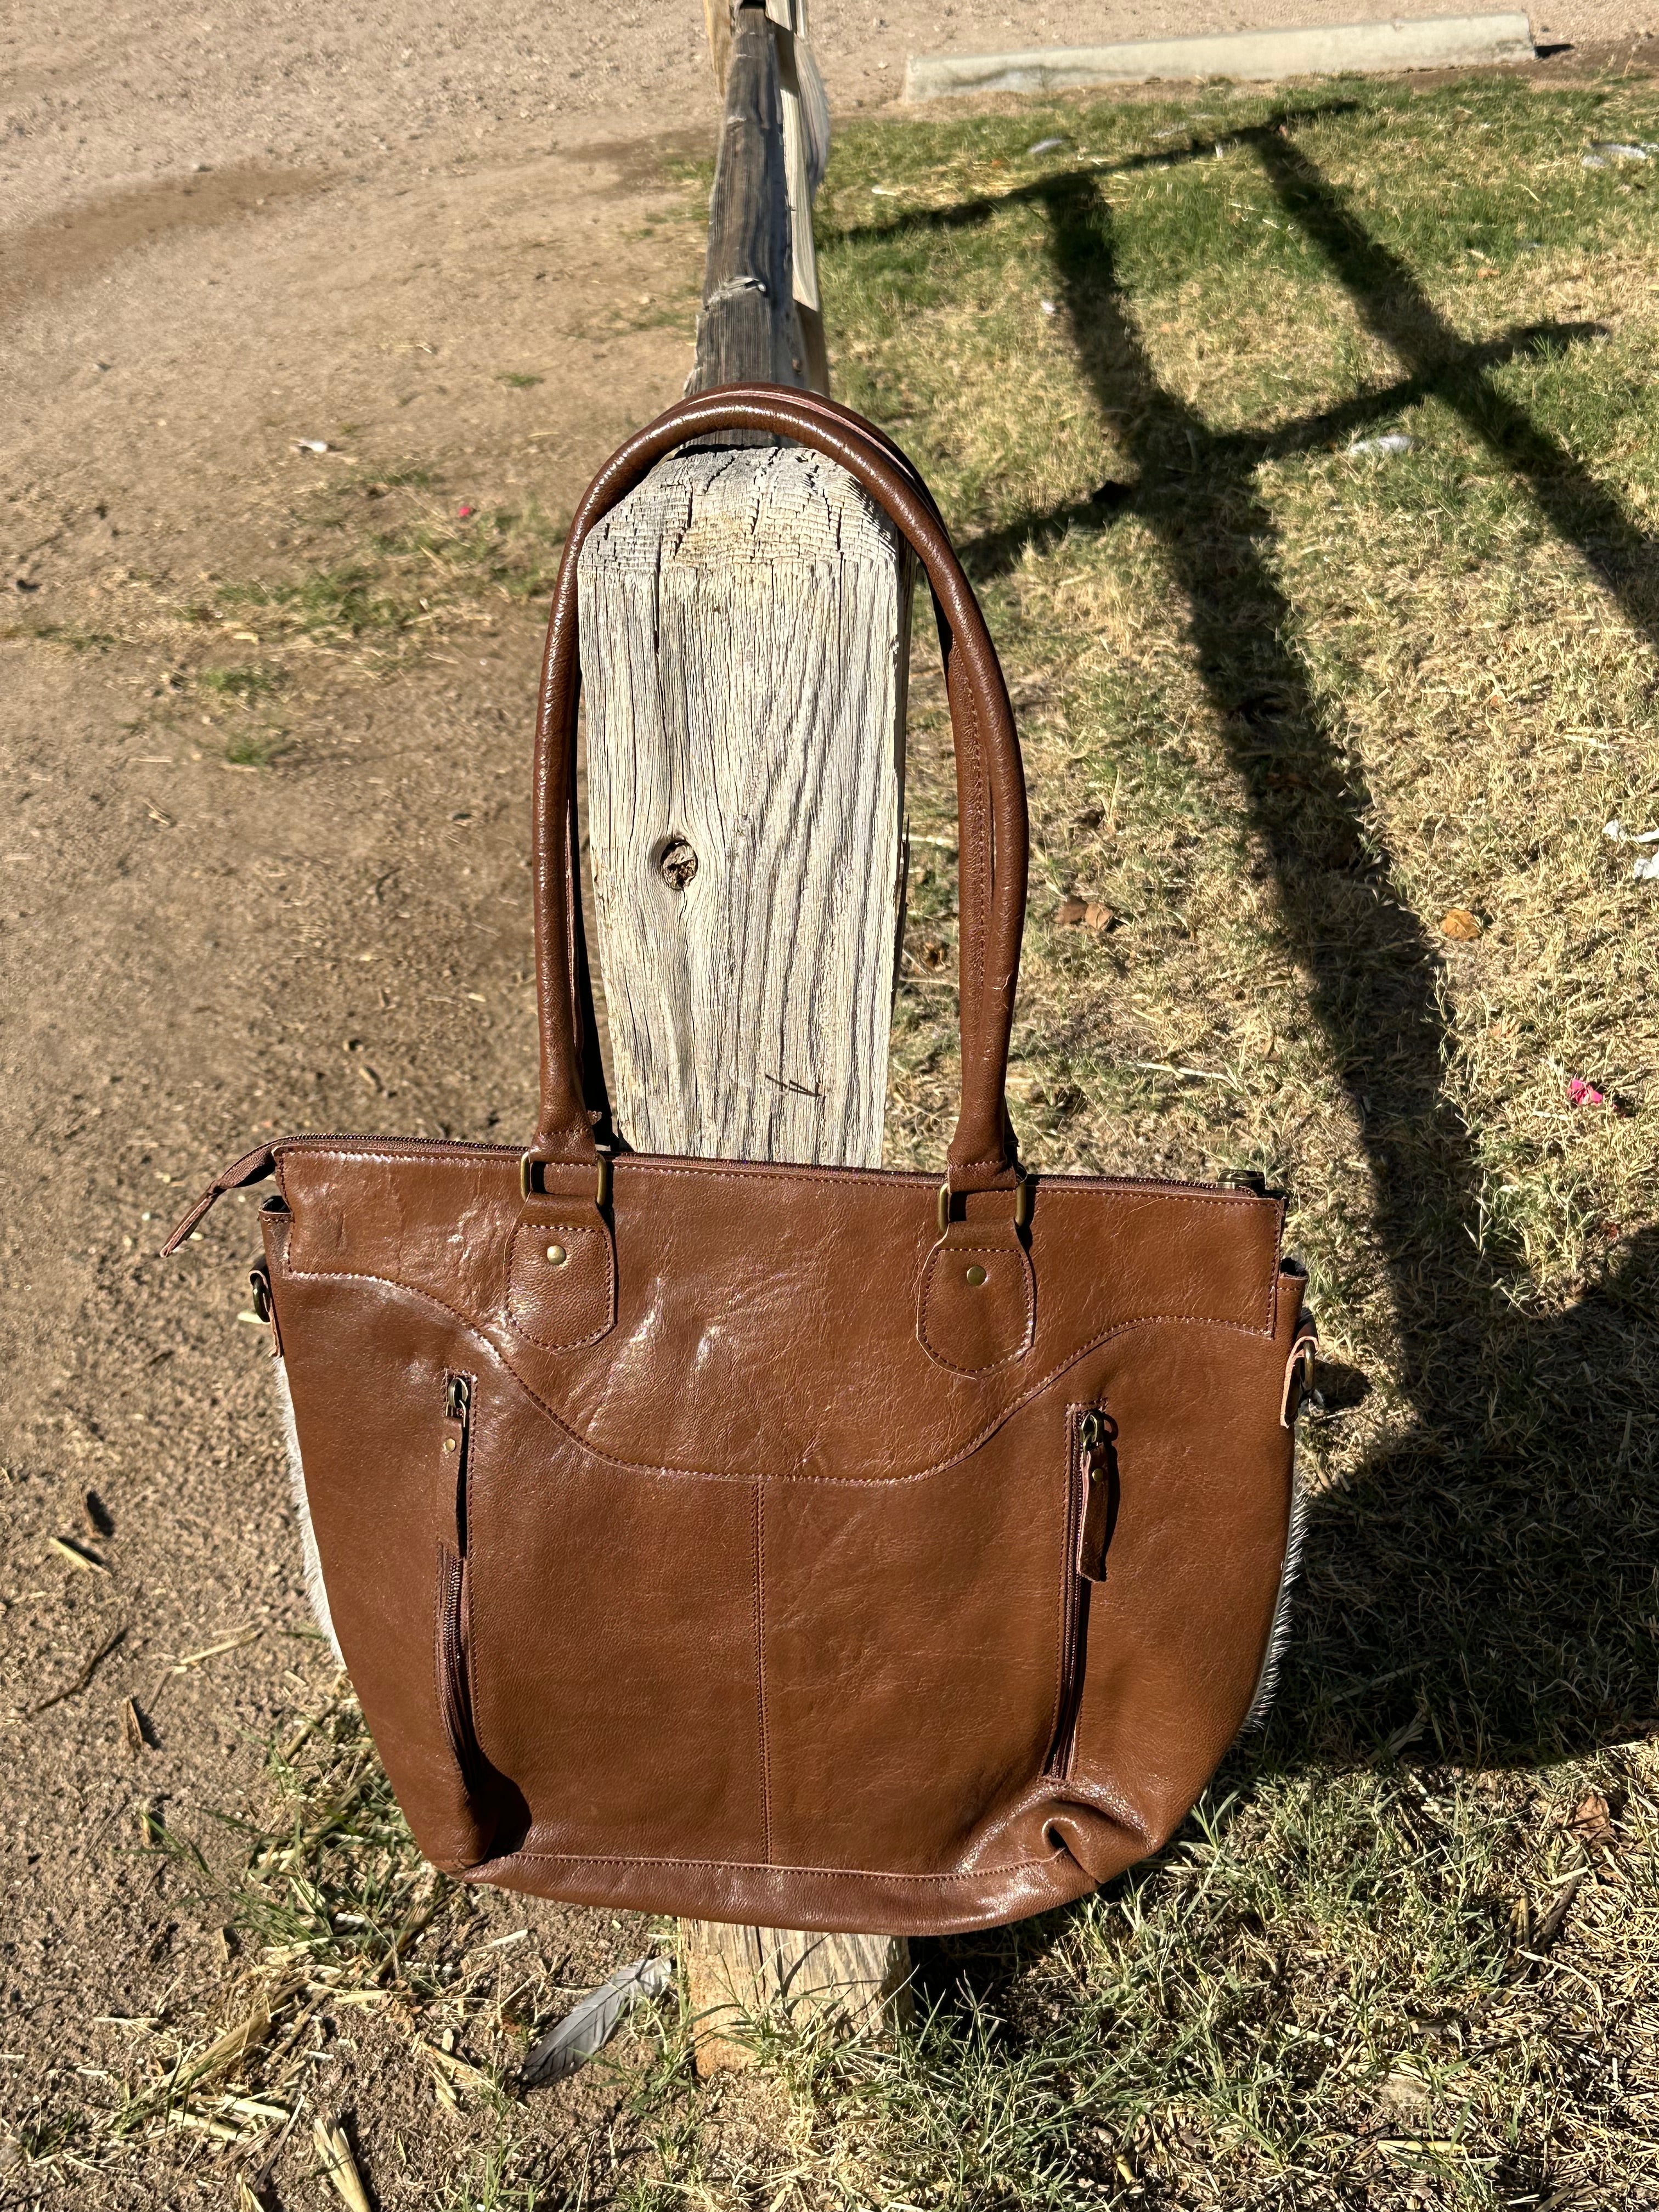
(638, 1164)
(563, 1343)
(1027, 1292)
(759, 1518)
(748, 1866)
(887, 1179)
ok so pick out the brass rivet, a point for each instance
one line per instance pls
(557, 1254)
(976, 1276)
(449, 1443)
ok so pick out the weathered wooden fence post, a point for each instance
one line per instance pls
(745, 619)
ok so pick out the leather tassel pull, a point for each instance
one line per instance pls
(253, 1167)
(1098, 1468)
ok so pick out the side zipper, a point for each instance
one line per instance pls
(1091, 1515)
(454, 1688)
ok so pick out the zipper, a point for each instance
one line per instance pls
(454, 1688)
(457, 1436)
(1096, 1482)
(1090, 1516)
(255, 1166)
(354, 1139)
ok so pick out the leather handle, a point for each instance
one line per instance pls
(993, 835)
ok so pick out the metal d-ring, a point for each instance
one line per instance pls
(528, 1186)
(1022, 1196)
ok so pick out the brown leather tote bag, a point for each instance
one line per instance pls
(814, 1547)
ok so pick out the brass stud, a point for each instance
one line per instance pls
(557, 1254)
(449, 1443)
(976, 1275)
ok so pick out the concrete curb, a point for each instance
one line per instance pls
(1316, 49)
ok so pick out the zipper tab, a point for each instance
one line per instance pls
(458, 1418)
(1098, 1472)
(258, 1277)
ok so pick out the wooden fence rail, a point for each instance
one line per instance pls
(745, 619)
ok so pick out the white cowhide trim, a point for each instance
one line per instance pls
(316, 1588)
(1267, 1681)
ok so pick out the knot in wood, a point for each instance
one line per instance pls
(676, 864)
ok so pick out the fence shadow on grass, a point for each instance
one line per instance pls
(1485, 1588)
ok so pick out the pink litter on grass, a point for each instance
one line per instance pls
(463, 512)
(1583, 1093)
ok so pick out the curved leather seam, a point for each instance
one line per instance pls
(1028, 1292)
(752, 1866)
(720, 1474)
(893, 1179)
(758, 1522)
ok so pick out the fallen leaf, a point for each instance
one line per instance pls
(1403, 2092)
(1457, 921)
(1085, 914)
(1592, 1820)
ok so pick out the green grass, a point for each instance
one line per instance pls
(1284, 707)
(71, 636)
(243, 685)
(433, 571)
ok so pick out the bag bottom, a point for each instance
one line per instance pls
(832, 1900)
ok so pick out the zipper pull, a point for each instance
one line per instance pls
(1098, 1466)
(458, 1414)
(259, 1278)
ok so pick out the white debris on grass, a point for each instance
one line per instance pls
(1391, 441)
(1604, 151)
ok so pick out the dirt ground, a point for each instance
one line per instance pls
(432, 247)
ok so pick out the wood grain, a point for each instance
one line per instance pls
(742, 617)
(845, 1985)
